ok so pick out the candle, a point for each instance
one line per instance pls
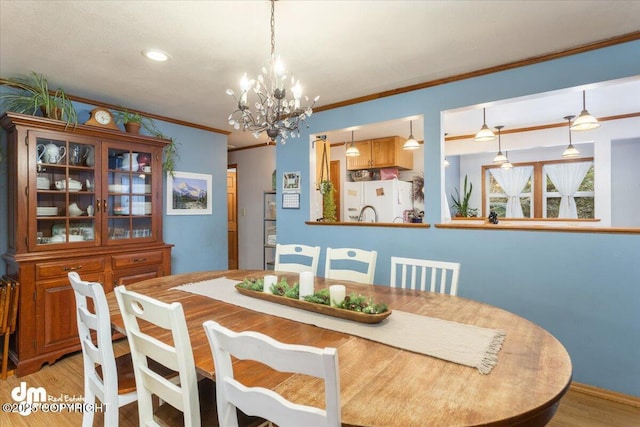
(305, 286)
(269, 280)
(336, 294)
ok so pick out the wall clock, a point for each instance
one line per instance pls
(103, 118)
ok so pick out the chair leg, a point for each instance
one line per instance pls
(89, 398)
(5, 356)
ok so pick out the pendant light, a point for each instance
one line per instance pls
(507, 164)
(484, 134)
(446, 163)
(352, 150)
(585, 121)
(499, 158)
(570, 151)
(411, 143)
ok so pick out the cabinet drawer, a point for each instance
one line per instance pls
(50, 270)
(136, 259)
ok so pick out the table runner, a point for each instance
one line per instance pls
(467, 345)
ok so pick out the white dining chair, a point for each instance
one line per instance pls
(177, 356)
(109, 379)
(264, 403)
(356, 265)
(289, 258)
(418, 273)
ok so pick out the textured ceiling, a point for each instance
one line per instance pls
(340, 50)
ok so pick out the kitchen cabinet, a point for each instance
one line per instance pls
(381, 153)
(80, 198)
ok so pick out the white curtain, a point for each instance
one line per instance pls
(567, 178)
(512, 182)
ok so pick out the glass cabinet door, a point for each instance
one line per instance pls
(129, 202)
(64, 196)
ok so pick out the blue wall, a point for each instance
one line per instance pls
(200, 240)
(584, 288)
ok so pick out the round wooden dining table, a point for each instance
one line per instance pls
(381, 385)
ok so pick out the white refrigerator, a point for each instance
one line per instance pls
(389, 198)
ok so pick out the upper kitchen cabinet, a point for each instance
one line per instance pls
(381, 153)
(80, 198)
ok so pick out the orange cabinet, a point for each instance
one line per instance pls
(381, 153)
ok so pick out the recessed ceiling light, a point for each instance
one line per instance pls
(155, 55)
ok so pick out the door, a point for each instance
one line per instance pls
(334, 174)
(232, 217)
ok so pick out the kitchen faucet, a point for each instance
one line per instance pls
(360, 217)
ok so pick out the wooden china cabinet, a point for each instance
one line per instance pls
(80, 198)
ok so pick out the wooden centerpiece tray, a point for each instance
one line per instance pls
(341, 313)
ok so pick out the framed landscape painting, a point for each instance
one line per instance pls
(189, 194)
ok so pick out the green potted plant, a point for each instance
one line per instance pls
(461, 204)
(328, 201)
(133, 121)
(32, 94)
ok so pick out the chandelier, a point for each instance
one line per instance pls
(273, 113)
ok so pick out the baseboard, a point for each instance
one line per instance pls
(602, 393)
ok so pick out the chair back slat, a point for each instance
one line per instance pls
(439, 275)
(351, 264)
(289, 258)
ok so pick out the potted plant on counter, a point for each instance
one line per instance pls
(461, 204)
(32, 94)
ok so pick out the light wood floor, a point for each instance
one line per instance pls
(64, 379)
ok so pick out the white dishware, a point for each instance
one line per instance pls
(337, 294)
(43, 183)
(269, 280)
(74, 210)
(305, 286)
(130, 161)
(46, 211)
(90, 210)
(50, 153)
(118, 188)
(72, 185)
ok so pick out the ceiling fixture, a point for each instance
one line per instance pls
(155, 55)
(507, 164)
(352, 150)
(499, 158)
(484, 134)
(273, 114)
(570, 151)
(411, 143)
(446, 163)
(585, 121)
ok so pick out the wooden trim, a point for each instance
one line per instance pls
(149, 115)
(602, 393)
(269, 143)
(371, 224)
(543, 127)
(489, 70)
(524, 227)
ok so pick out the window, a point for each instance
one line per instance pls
(535, 190)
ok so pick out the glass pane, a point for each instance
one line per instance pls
(494, 187)
(550, 187)
(525, 203)
(498, 205)
(587, 182)
(585, 207)
(553, 207)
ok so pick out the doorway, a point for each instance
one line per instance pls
(232, 216)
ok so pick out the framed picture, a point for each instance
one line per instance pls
(291, 181)
(188, 194)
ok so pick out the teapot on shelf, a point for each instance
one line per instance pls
(50, 153)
